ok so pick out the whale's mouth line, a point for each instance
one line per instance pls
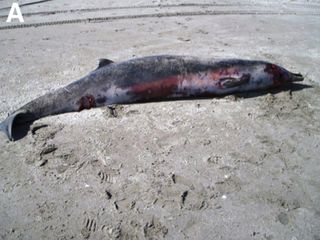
(297, 77)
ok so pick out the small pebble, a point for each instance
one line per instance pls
(283, 218)
(109, 195)
(42, 162)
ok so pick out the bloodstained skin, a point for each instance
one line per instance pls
(156, 89)
(276, 72)
(162, 88)
(86, 102)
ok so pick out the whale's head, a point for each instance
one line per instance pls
(253, 75)
(281, 76)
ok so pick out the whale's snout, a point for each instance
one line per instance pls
(282, 76)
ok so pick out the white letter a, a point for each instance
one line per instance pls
(15, 6)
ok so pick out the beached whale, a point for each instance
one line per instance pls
(147, 79)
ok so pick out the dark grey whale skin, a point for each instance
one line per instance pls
(148, 79)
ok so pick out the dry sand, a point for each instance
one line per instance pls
(239, 167)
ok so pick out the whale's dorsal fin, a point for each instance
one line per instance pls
(103, 62)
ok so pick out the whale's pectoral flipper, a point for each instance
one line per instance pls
(13, 128)
(230, 82)
(104, 62)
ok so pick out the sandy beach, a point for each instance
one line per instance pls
(243, 166)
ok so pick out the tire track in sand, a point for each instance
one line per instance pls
(157, 15)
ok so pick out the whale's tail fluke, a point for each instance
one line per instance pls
(13, 128)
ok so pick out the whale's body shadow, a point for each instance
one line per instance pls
(293, 87)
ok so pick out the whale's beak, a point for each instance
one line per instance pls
(296, 77)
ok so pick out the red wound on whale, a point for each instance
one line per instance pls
(86, 102)
(156, 89)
